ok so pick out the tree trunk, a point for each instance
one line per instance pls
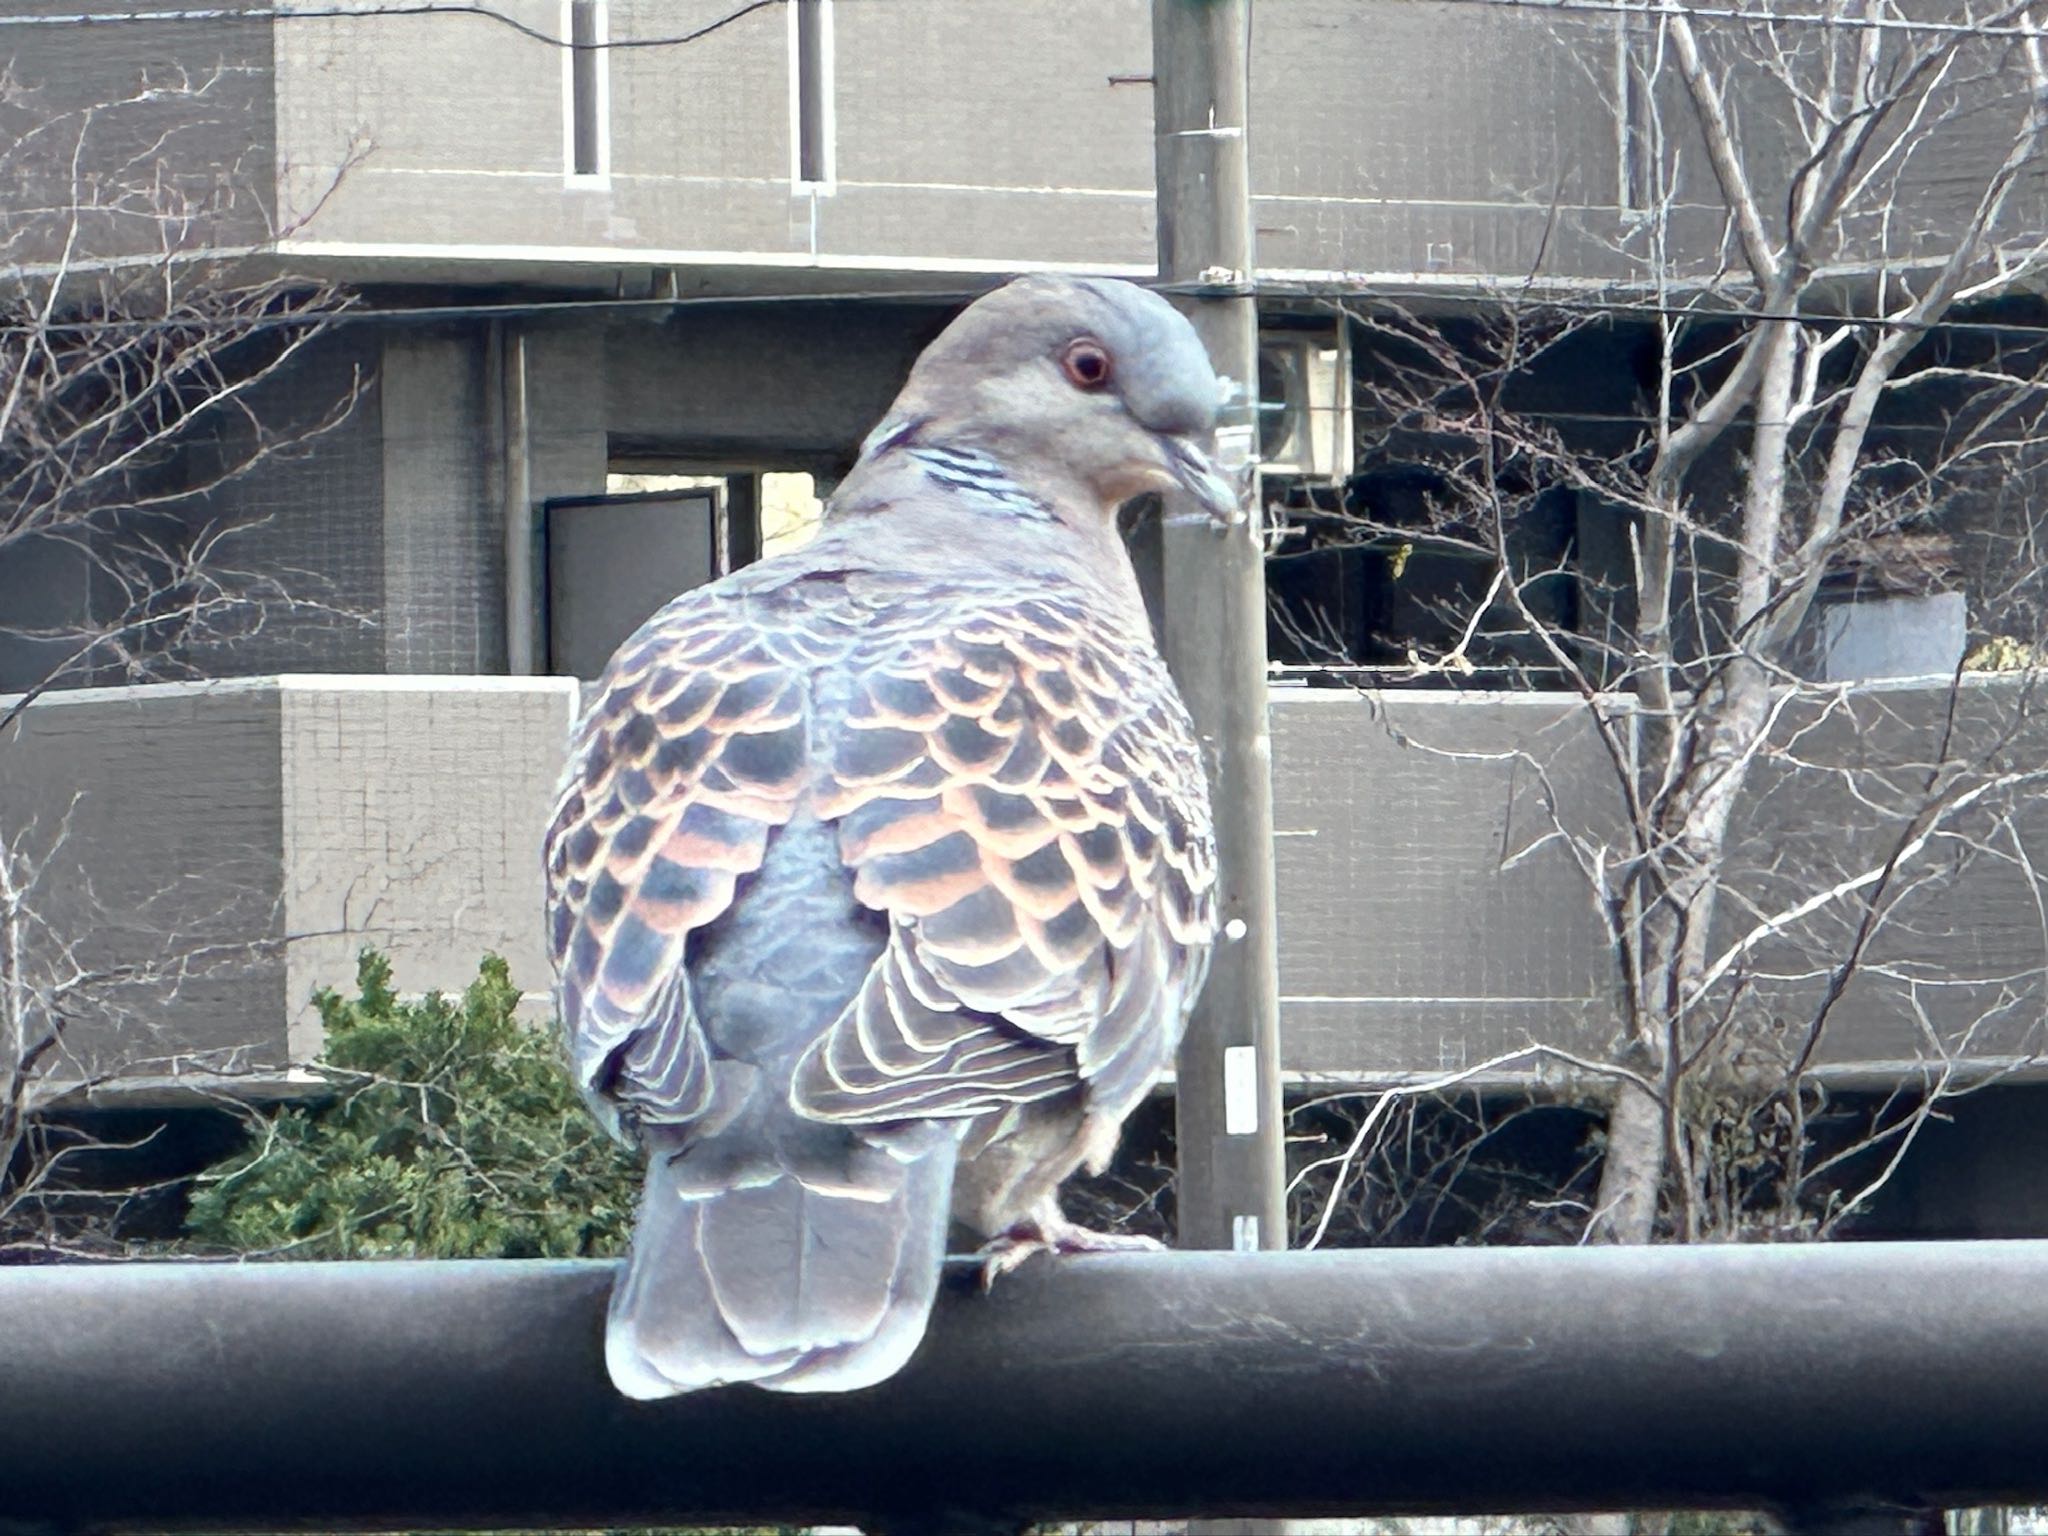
(1633, 1171)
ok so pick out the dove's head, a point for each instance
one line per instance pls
(1075, 380)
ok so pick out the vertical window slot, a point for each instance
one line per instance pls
(588, 89)
(811, 49)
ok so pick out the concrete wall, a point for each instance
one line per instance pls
(377, 543)
(412, 811)
(294, 529)
(442, 541)
(783, 386)
(226, 848)
(117, 139)
(152, 820)
(1403, 136)
(1430, 917)
(305, 523)
(1392, 139)
(1957, 962)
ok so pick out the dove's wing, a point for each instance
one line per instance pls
(690, 757)
(1020, 793)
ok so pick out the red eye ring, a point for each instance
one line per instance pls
(1087, 364)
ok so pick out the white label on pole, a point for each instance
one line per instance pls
(1240, 1090)
(1244, 1234)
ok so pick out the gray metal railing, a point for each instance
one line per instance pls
(422, 1395)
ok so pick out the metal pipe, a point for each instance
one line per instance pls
(409, 1396)
(524, 644)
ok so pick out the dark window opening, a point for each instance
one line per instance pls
(812, 108)
(586, 59)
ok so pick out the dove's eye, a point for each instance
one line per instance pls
(1087, 364)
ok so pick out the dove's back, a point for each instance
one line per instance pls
(771, 1247)
(775, 1249)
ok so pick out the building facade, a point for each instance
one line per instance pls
(616, 263)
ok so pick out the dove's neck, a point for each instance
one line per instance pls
(946, 508)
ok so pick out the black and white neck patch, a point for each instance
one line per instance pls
(982, 480)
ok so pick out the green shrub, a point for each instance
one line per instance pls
(452, 1132)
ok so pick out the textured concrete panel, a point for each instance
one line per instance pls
(413, 814)
(1937, 158)
(1921, 807)
(1387, 136)
(483, 214)
(1345, 102)
(45, 601)
(421, 93)
(568, 387)
(453, 127)
(180, 146)
(444, 582)
(1429, 919)
(991, 226)
(226, 848)
(716, 109)
(307, 521)
(1040, 70)
(151, 817)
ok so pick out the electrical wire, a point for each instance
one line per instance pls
(1336, 297)
(1820, 19)
(1640, 8)
(426, 8)
(348, 313)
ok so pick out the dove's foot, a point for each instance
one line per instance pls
(1053, 1233)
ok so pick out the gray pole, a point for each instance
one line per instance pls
(1820, 1378)
(1231, 1187)
(525, 646)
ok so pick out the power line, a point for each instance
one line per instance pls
(1774, 18)
(426, 8)
(537, 308)
(1639, 8)
(1730, 315)
(346, 313)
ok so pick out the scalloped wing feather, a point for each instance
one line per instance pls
(1021, 793)
(693, 752)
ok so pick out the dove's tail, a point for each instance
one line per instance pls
(799, 1284)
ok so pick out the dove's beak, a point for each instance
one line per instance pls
(1196, 473)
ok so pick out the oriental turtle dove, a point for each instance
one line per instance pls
(880, 881)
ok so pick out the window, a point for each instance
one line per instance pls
(790, 510)
(586, 93)
(810, 93)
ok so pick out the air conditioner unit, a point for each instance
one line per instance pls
(1305, 403)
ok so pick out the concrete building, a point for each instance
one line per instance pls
(607, 290)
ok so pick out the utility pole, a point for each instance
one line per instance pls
(1231, 1189)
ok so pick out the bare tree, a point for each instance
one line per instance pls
(143, 341)
(1822, 397)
